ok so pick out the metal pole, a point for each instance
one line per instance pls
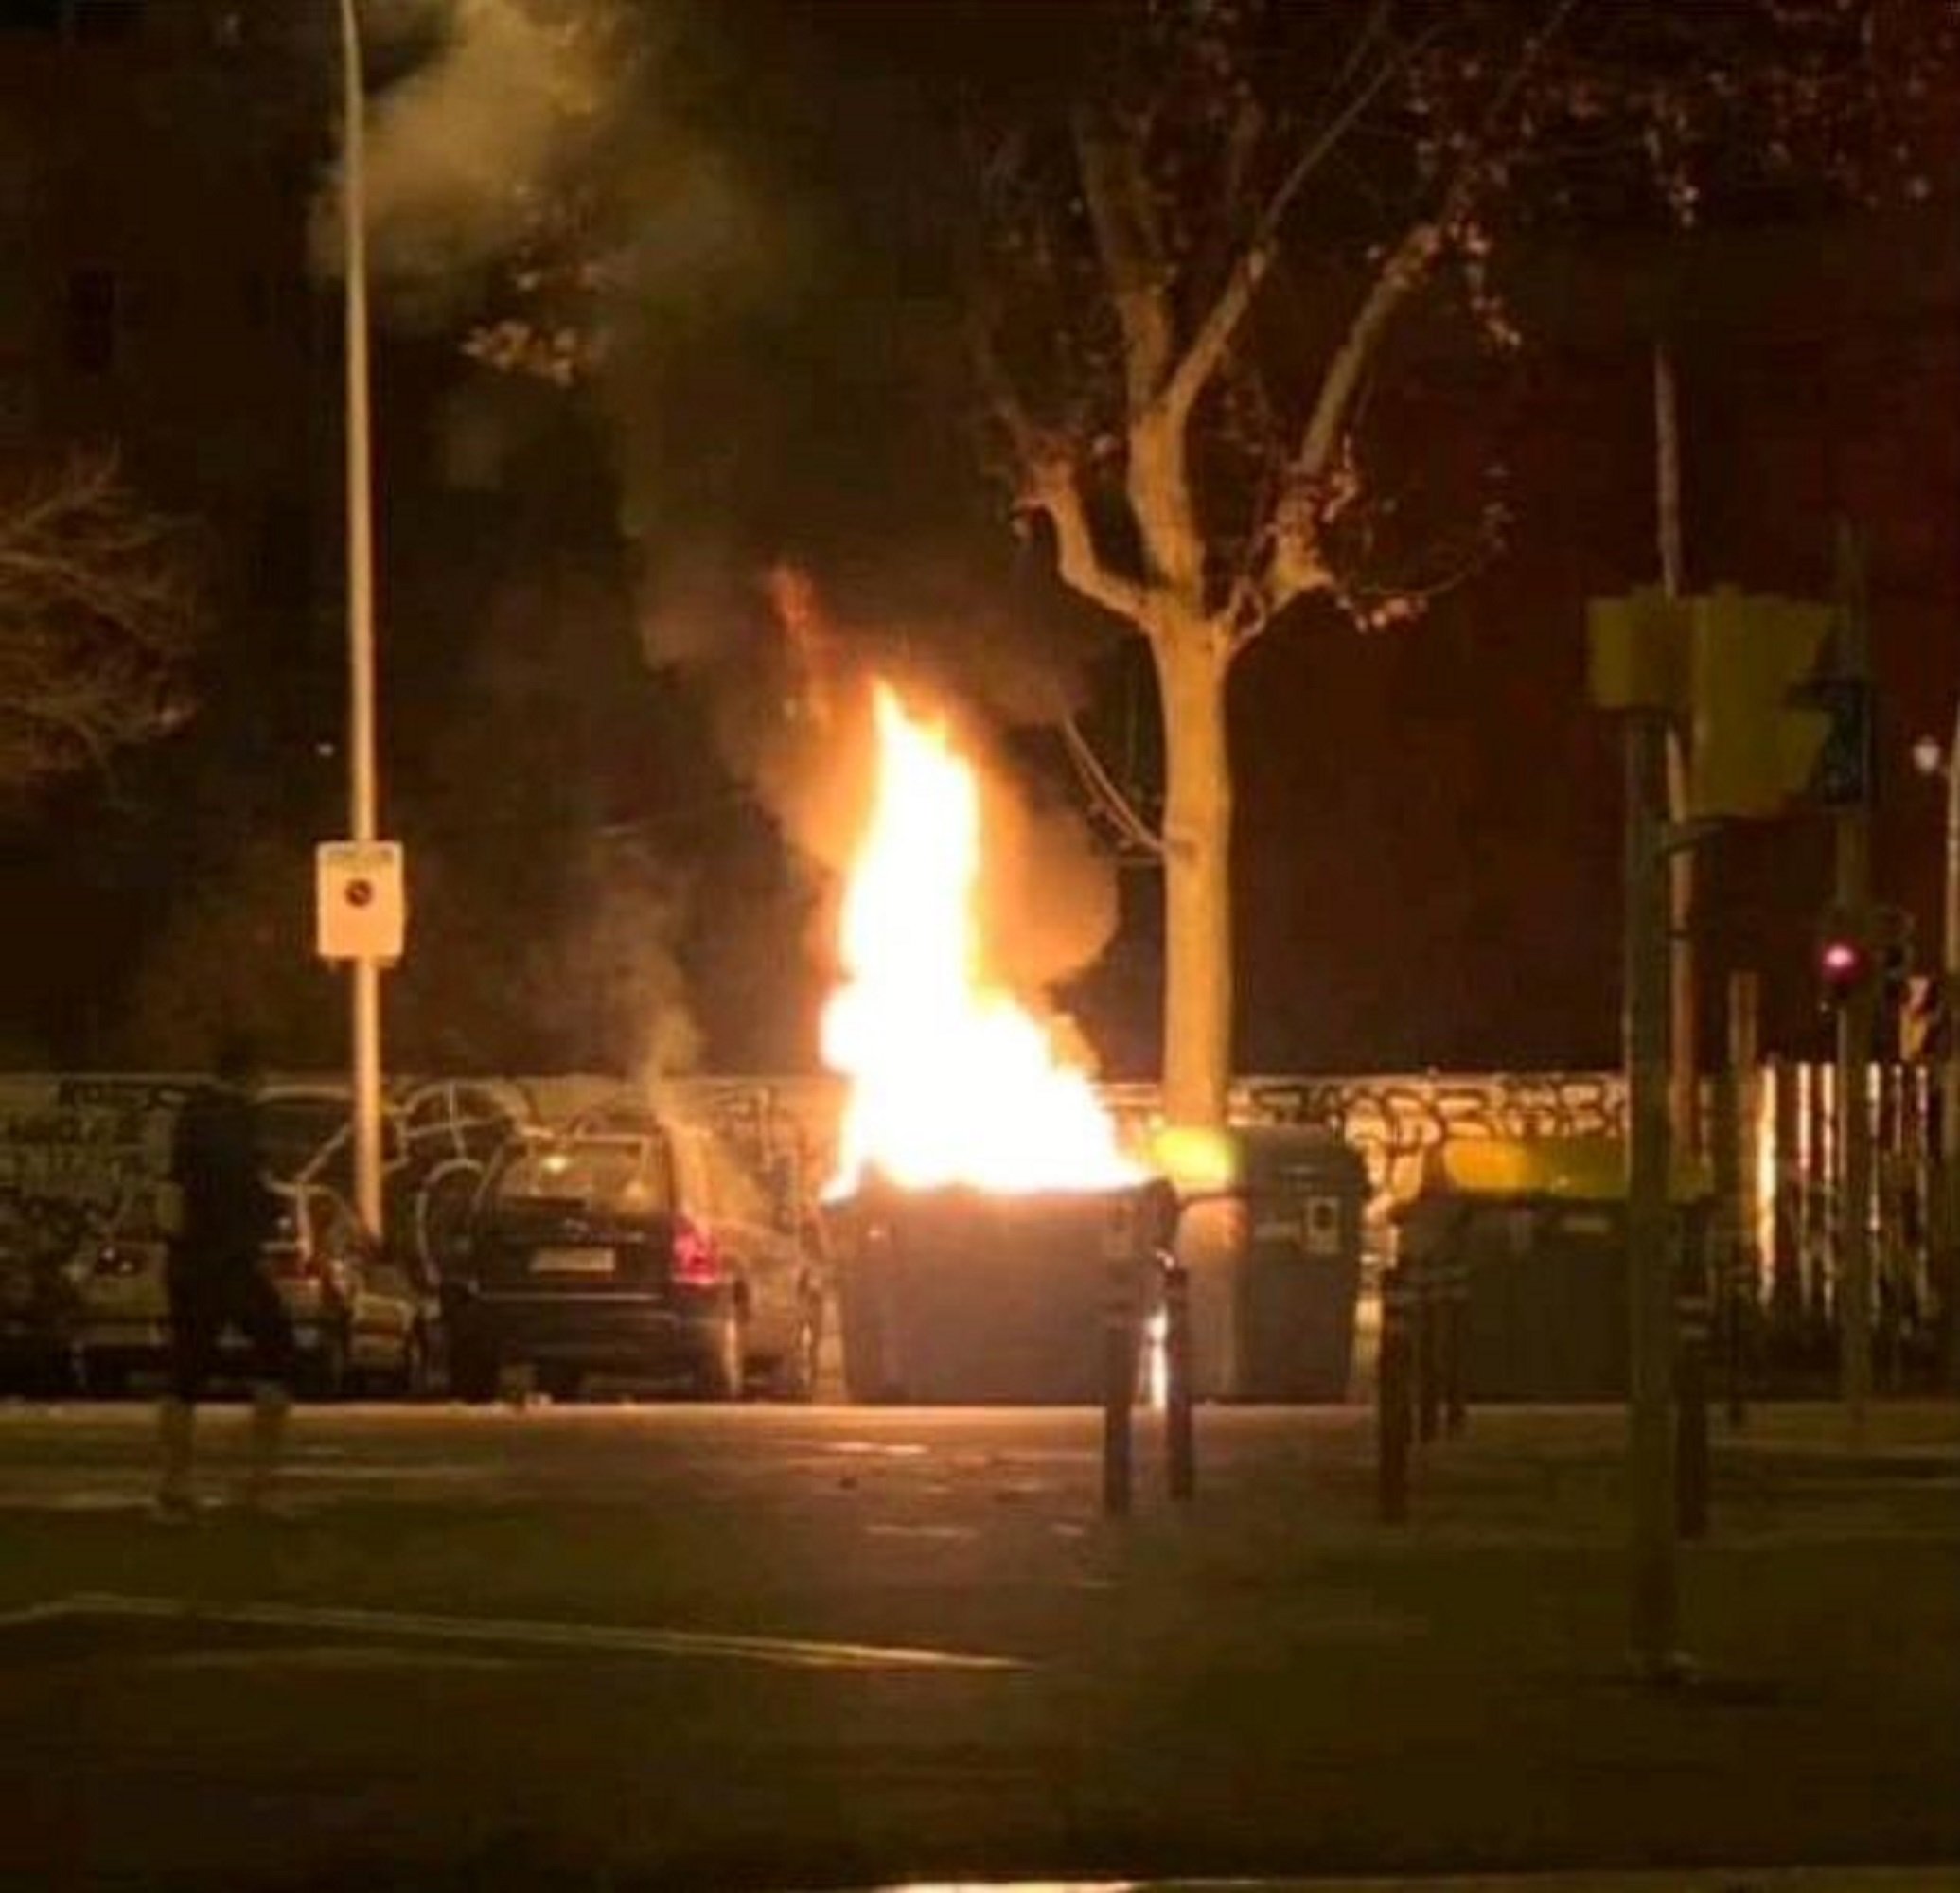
(366, 972)
(1742, 1135)
(1948, 1204)
(1683, 1023)
(1455, 1411)
(1684, 1100)
(1649, 1255)
(1393, 1419)
(1857, 1021)
(1180, 1456)
(1428, 1338)
(1946, 1189)
(1118, 1383)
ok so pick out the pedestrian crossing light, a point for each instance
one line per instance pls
(1765, 731)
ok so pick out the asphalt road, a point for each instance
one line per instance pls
(779, 1647)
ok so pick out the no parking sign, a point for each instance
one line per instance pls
(362, 906)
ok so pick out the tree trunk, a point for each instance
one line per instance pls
(1192, 665)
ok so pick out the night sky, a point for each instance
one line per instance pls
(1428, 829)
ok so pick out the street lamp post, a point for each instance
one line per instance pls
(365, 971)
(1931, 762)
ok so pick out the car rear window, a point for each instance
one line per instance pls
(630, 1176)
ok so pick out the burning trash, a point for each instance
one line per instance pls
(982, 1199)
(952, 1081)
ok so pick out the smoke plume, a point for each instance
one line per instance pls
(464, 150)
(794, 721)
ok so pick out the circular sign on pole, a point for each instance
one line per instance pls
(361, 900)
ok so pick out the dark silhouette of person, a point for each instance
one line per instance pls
(225, 1212)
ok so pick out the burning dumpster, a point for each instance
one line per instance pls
(964, 1296)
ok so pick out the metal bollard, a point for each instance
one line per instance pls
(1691, 1407)
(1456, 1338)
(1392, 1399)
(1734, 1335)
(1427, 1310)
(1118, 1387)
(1180, 1446)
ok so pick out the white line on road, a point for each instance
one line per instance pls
(780, 1652)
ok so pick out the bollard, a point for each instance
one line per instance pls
(1735, 1335)
(1427, 1312)
(1392, 1394)
(1692, 1404)
(1180, 1460)
(1119, 1387)
(1456, 1339)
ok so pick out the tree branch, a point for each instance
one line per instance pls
(1136, 268)
(1130, 247)
(1046, 481)
(99, 614)
(1296, 564)
(1221, 322)
(1131, 828)
(1053, 486)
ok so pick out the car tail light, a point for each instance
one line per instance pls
(695, 1262)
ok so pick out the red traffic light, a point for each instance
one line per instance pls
(1842, 965)
(1842, 959)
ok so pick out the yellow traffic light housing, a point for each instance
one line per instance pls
(1636, 651)
(1747, 680)
(1755, 741)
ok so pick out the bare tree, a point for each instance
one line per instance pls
(1195, 260)
(99, 616)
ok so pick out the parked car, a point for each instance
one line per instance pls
(642, 1252)
(362, 1318)
(435, 1140)
(37, 1295)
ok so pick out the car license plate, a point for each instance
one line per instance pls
(571, 1262)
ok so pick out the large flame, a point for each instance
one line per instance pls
(951, 1081)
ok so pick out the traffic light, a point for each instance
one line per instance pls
(1748, 676)
(1844, 961)
(1895, 940)
(1761, 724)
(1636, 651)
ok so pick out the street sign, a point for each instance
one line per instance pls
(361, 900)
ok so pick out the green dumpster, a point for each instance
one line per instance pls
(1270, 1235)
(1531, 1235)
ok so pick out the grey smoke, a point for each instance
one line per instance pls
(791, 703)
(461, 151)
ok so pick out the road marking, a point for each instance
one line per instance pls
(626, 1640)
(36, 1613)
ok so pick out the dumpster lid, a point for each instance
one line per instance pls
(1559, 1169)
(1202, 1159)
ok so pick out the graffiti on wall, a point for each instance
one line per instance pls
(90, 1139)
(1396, 1122)
(84, 1141)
